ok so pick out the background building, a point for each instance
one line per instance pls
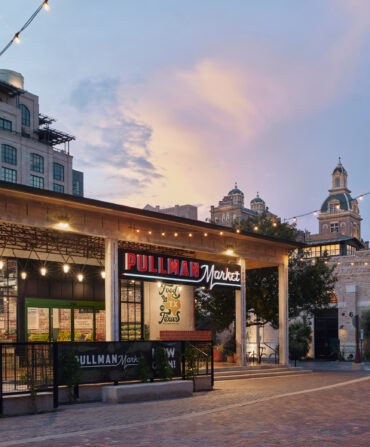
(32, 152)
(231, 209)
(186, 211)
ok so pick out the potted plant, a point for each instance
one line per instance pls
(230, 357)
(218, 355)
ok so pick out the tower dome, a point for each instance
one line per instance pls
(258, 205)
(235, 190)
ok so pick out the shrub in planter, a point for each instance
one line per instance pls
(142, 370)
(218, 355)
(163, 368)
(70, 372)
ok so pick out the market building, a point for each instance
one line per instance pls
(32, 151)
(78, 269)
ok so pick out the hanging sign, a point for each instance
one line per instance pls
(154, 267)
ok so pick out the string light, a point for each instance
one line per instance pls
(190, 234)
(43, 271)
(66, 268)
(221, 233)
(102, 273)
(80, 277)
(44, 5)
(205, 234)
(149, 232)
(274, 224)
(255, 228)
(229, 251)
(163, 233)
(315, 212)
(159, 284)
(176, 234)
(1, 265)
(237, 230)
(24, 275)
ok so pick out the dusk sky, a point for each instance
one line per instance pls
(173, 101)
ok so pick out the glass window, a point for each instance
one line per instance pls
(58, 172)
(25, 115)
(37, 163)
(334, 227)
(8, 154)
(58, 188)
(5, 124)
(8, 300)
(9, 175)
(337, 182)
(351, 250)
(331, 250)
(37, 182)
(131, 310)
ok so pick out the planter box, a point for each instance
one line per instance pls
(202, 383)
(147, 391)
(23, 404)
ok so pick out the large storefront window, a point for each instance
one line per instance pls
(8, 300)
(131, 310)
(57, 320)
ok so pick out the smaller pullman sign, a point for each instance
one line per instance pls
(195, 272)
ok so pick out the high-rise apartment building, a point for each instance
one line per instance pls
(33, 153)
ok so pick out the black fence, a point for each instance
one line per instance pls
(31, 368)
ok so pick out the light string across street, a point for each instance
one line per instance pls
(16, 38)
(316, 212)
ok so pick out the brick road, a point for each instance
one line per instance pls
(258, 412)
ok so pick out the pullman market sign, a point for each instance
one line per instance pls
(151, 267)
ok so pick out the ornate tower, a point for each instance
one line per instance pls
(339, 213)
(258, 205)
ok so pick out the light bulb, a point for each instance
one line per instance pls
(190, 234)
(221, 233)
(46, 5)
(24, 275)
(66, 268)
(102, 274)
(180, 288)
(16, 38)
(229, 251)
(255, 228)
(159, 284)
(175, 234)
(163, 233)
(1, 265)
(80, 277)
(205, 234)
(43, 271)
(237, 230)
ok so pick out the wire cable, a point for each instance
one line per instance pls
(44, 5)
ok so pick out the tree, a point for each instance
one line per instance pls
(311, 284)
(299, 340)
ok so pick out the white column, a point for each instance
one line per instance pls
(283, 313)
(111, 291)
(240, 319)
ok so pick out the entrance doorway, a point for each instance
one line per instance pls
(326, 335)
(59, 320)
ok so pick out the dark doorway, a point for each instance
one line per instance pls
(326, 335)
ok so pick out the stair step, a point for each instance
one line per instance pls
(261, 375)
(252, 371)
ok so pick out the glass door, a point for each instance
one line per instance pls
(61, 324)
(38, 324)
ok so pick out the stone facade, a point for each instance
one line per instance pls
(231, 210)
(32, 153)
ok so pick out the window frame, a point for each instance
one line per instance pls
(25, 115)
(5, 170)
(33, 165)
(4, 122)
(55, 176)
(58, 188)
(4, 152)
(41, 179)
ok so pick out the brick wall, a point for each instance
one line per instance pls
(186, 335)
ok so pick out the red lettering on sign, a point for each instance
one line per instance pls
(142, 263)
(161, 268)
(194, 269)
(173, 266)
(184, 268)
(152, 269)
(130, 260)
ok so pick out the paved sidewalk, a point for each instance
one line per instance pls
(319, 409)
(329, 366)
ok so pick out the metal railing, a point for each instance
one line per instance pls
(31, 368)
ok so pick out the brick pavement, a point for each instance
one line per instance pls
(225, 417)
